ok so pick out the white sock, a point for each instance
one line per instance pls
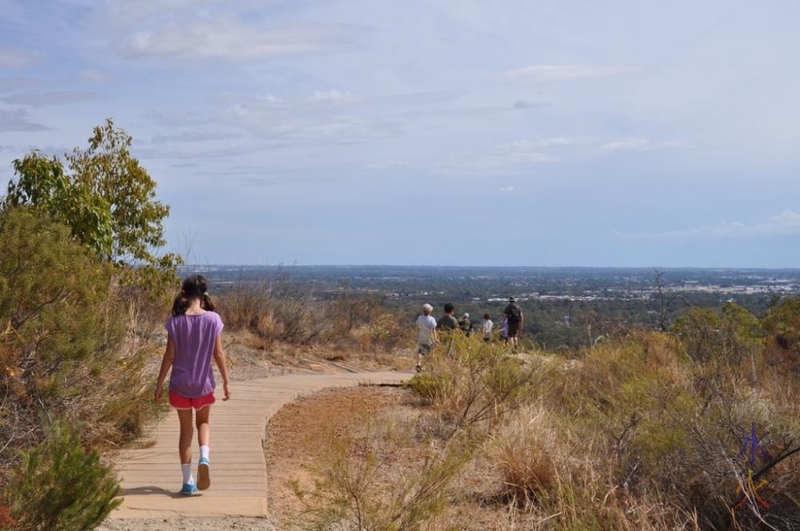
(204, 451)
(186, 470)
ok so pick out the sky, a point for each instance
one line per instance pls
(436, 132)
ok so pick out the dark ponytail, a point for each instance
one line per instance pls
(207, 303)
(194, 287)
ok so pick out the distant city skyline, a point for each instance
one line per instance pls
(516, 133)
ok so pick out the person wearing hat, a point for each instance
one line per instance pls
(515, 318)
(426, 324)
(465, 324)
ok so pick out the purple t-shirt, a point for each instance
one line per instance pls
(194, 337)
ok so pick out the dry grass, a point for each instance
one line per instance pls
(637, 435)
(291, 327)
(373, 470)
(523, 451)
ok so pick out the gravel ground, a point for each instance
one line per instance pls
(187, 524)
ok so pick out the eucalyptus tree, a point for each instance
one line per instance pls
(104, 196)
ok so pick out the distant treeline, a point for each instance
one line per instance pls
(565, 308)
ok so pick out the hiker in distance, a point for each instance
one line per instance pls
(465, 324)
(448, 324)
(448, 321)
(516, 320)
(486, 327)
(193, 341)
(427, 336)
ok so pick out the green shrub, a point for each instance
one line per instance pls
(63, 342)
(425, 385)
(59, 486)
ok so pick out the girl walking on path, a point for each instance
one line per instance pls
(193, 340)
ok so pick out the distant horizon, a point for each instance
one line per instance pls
(440, 266)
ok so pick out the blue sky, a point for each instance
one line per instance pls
(545, 133)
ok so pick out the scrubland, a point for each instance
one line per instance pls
(694, 428)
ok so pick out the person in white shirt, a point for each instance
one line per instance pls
(426, 324)
(486, 327)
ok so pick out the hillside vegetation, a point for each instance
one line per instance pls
(692, 429)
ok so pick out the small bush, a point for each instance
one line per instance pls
(273, 312)
(353, 491)
(472, 382)
(61, 487)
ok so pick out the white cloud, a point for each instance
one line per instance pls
(177, 118)
(527, 104)
(17, 58)
(119, 15)
(505, 158)
(266, 102)
(507, 189)
(333, 129)
(17, 120)
(41, 99)
(195, 152)
(196, 136)
(304, 119)
(491, 163)
(786, 222)
(235, 40)
(639, 144)
(387, 165)
(331, 96)
(545, 73)
(542, 143)
(12, 84)
(334, 97)
(271, 99)
(94, 75)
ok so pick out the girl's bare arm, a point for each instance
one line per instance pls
(219, 358)
(166, 363)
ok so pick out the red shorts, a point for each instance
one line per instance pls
(179, 401)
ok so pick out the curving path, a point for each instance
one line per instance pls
(150, 477)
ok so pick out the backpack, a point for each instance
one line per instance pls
(514, 314)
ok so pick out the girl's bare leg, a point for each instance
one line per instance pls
(187, 432)
(203, 428)
(203, 436)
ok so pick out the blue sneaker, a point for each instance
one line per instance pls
(188, 489)
(203, 474)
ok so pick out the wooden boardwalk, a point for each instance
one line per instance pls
(150, 477)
